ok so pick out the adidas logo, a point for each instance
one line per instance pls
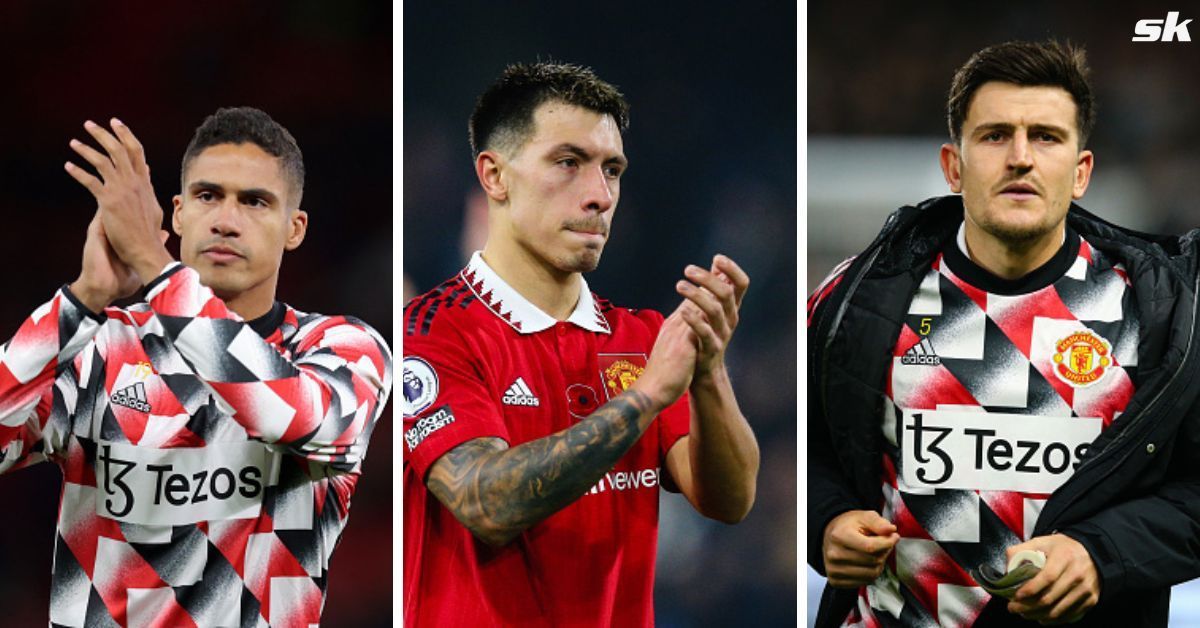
(921, 353)
(132, 397)
(519, 395)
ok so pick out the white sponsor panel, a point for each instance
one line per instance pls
(992, 451)
(180, 486)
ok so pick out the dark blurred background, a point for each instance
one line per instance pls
(324, 71)
(878, 75)
(712, 148)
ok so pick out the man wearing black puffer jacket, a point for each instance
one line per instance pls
(1001, 372)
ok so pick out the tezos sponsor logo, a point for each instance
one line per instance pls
(992, 451)
(152, 486)
(1170, 29)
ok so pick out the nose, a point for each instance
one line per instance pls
(1020, 157)
(598, 193)
(227, 218)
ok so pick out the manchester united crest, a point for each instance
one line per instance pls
(1082, 358)
(619, 371)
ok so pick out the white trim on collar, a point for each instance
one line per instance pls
(508, 304)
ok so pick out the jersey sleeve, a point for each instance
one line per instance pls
(673, 424)
(38, 380)
(446, 399)
(321, 403)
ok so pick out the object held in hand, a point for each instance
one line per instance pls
(1023, 566)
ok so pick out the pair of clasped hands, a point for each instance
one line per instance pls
(125, 245)
(857, 544)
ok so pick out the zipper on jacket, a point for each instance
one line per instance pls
(1135, 420)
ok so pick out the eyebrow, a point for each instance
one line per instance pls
(583, 154)
(1009, 128)
(208, 186)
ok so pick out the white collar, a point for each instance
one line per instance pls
(504, 301)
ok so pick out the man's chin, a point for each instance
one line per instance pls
(219, 282)
(583, 262)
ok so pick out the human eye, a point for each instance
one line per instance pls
(206, 196)
(1046, 136)
(613, 171)
(568, 162)
(992, 136)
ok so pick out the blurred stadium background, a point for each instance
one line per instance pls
(877, 81)
(321, 69)
(712, 148)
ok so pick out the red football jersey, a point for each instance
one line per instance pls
(481, 361)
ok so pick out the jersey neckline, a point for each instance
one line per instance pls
(1035, 280)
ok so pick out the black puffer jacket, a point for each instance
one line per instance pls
(1134, 501)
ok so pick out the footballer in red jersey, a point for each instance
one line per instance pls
(533, 457)
(210, 437)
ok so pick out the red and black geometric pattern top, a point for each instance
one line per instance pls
(996, 388)
(208, 462)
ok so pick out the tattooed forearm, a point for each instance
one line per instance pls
(498, 493)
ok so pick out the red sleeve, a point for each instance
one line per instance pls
(445, 395)
(673, 424)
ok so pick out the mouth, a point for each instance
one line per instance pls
(590, 234)
(221, 254)
(1019, 191)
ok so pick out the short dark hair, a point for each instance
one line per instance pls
(1029, 64)
(503, 116)
(239, 125)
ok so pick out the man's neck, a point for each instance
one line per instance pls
(551, 290)
(251, 303)
(1009, 261)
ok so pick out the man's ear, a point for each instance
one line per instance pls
(1083, 173)
(297, 227)
(176, 225)
(489, 167)
(951, 161)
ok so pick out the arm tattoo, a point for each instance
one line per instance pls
(498, 493)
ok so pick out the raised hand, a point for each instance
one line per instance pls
(714, 298)
(672, 361)
(129, 211)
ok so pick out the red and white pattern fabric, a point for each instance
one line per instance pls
(164, 414)
(1062, 350)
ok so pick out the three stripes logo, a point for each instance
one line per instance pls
(133, 396)
(921, 353)
(519, 394)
